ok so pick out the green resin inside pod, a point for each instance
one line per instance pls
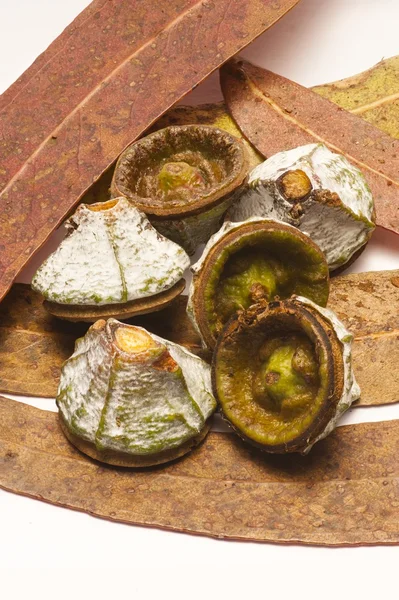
(247, 277)
(256, 260)
(282, 374)
(287, 379)
(175, 177)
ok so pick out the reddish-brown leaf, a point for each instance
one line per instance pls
(33, 344)
(120, 65)
(276, 114)
(345, 492)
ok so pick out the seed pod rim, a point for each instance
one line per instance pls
(123, 459)
(206, 202)
(113, 211)
(127, 310)
(212, 114)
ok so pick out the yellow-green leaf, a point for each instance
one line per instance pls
(373, 95)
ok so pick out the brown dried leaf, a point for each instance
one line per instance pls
(275, 114)
(61, 128)
(368, 304)
(33, 344)
(345, 492)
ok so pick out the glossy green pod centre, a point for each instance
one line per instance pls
(176, 175)
(287, 379)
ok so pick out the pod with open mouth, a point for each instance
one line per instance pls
(282, 373)
(319, 192)
(212, 114)
(131, 398)
(246, 262)
(111, 263)
(183, 178)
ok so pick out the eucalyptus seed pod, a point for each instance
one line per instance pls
(282, 373)
(183, 178)
(112, 263)
(319, 192)
(259, 259)
(212, 114)
(128, 397)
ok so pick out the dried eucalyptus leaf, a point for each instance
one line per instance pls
(373, 95)
(368, 304)
(33, 344)
(344, 493)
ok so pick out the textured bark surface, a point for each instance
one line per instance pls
(373, 95)
(127, 63)
(33, 344)
(275, 113)
(345, 492)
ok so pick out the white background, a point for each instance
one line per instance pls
(54, 552)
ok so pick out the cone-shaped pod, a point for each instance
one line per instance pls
(282, 373)
(246, 262)
(112, 263)
(319, 192)
(183, 178)
(128, 397)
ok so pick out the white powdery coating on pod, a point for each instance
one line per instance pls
(109, 257)
(226, 228)
(338, 228)
(131, 404)
(351, 391)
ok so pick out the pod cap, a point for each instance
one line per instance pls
(316, 190)
(112, 263)
(130, 398)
